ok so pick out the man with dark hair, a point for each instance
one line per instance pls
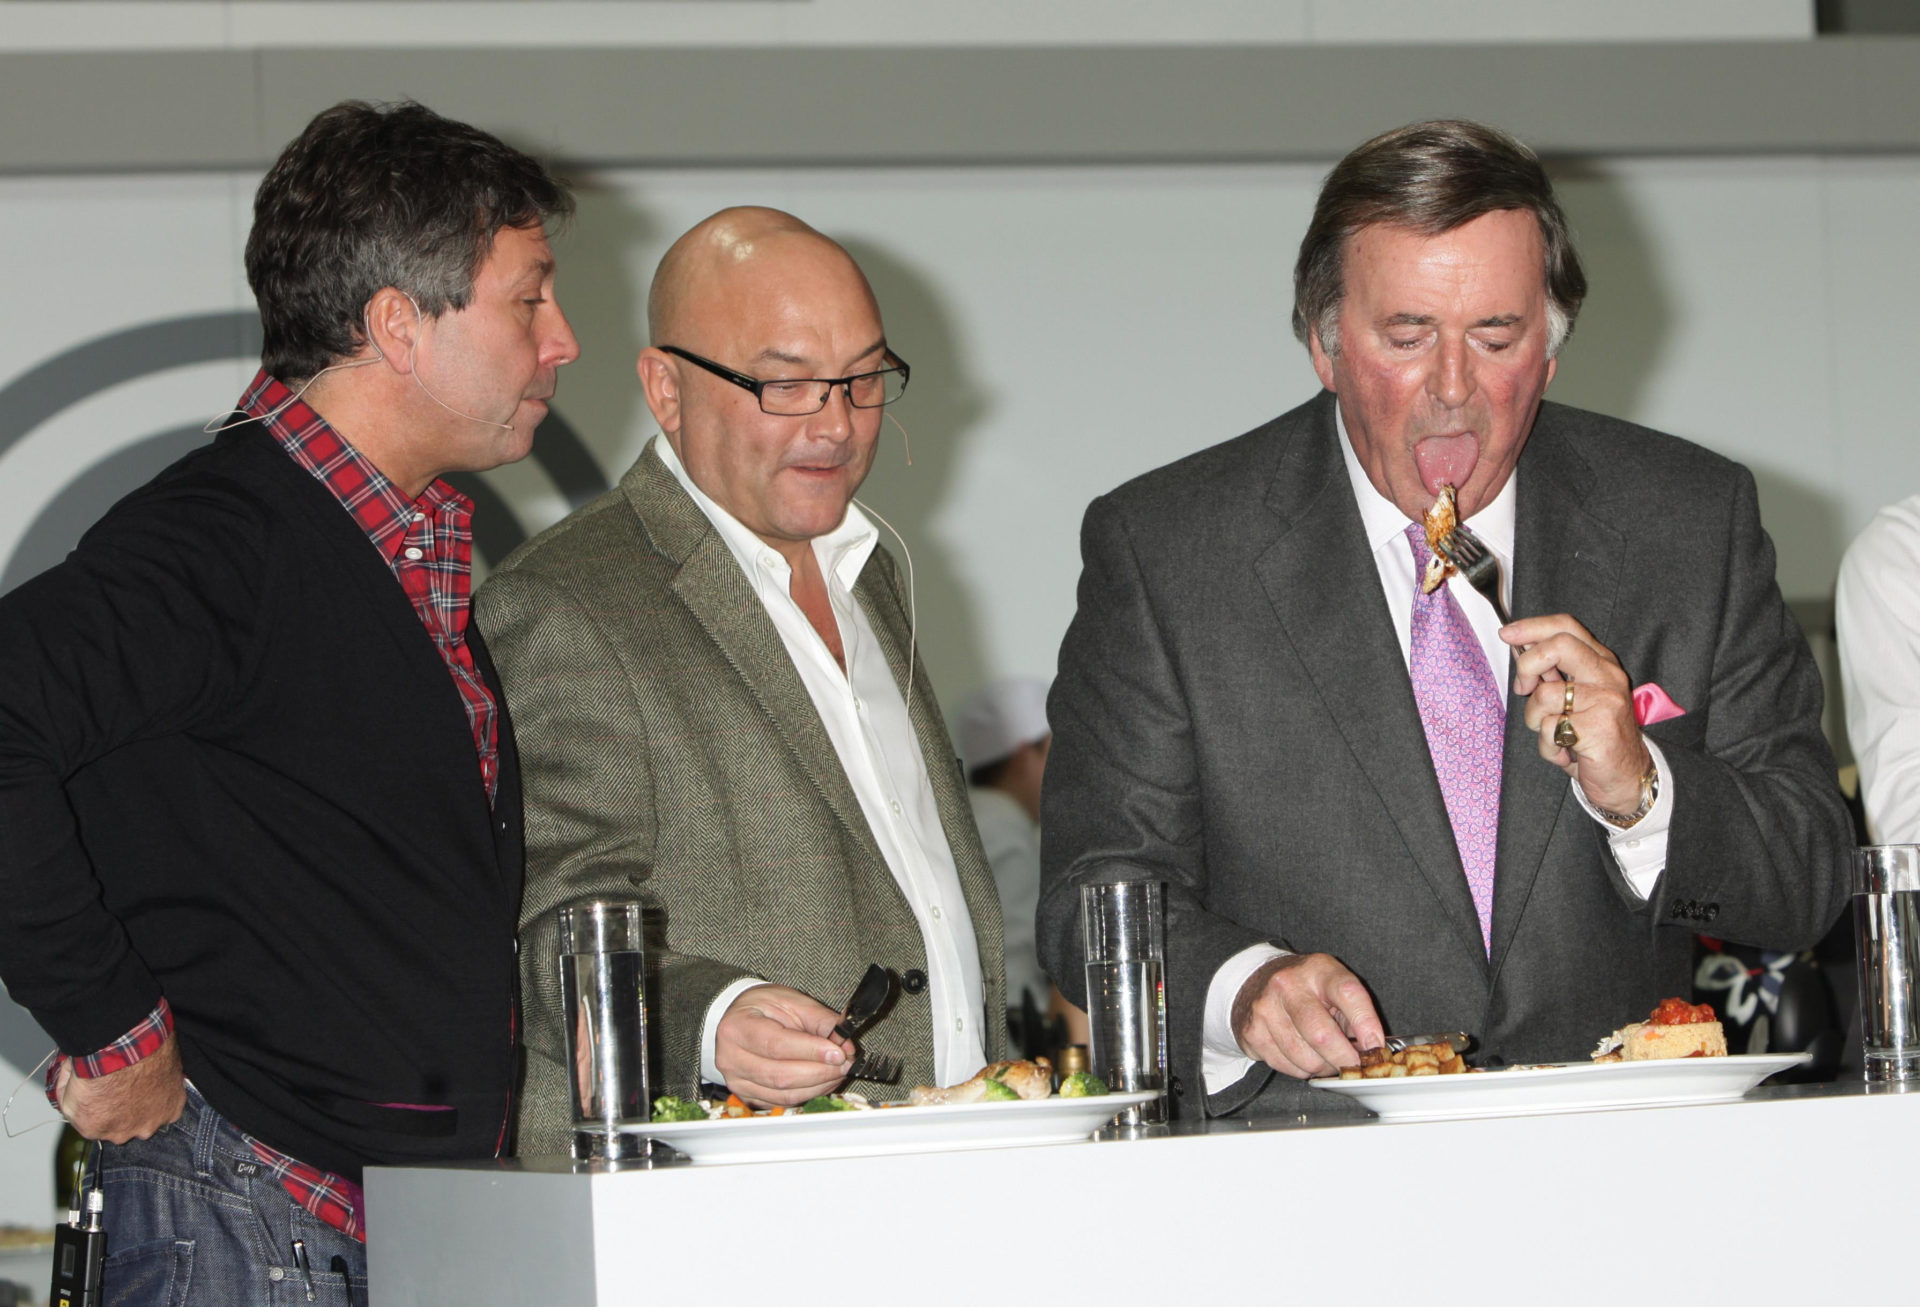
(257, 779)
(1260, 703)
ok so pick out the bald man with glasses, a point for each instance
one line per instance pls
(712, 679)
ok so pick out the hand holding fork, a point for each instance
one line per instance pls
(1610, 759)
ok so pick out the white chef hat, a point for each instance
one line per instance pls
(1000, 717)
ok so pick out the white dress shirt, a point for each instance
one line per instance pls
(1877, 613)
(866, 718)
(1640, 852)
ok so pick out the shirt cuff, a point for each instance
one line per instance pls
(1641, 850)
(710, 1026)
(142, 1041)
(1221, 1062)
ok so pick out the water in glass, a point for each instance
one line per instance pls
(1126, 1011)
(1887, 935)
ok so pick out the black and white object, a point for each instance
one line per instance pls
(79, 1256)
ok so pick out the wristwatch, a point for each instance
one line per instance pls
(1649, 793)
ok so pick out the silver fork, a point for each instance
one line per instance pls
(1476, 562)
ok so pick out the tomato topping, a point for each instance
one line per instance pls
(1679, 1012)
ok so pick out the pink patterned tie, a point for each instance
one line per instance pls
(1465, 717)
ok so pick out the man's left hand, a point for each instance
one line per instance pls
(131, 1103)
(1611, 756)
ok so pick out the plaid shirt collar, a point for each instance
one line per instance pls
(362, 489)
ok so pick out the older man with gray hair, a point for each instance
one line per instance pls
(1379, 805)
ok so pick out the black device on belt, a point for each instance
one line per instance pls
(80, 1251)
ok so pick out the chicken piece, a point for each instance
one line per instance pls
(1439, 523)
(1029, 1080)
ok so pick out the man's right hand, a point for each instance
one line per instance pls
(131, 1103)
(776, 1047)
(1305, 1015)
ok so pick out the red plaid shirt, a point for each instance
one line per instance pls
(429, 544)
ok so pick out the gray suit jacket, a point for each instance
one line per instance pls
(1233, 716)
(670, 752)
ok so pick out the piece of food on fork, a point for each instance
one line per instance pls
(1439, 523)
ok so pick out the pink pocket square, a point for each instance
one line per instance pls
(1651, 704)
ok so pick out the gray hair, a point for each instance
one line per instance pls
(370, 196)
(1430, 178)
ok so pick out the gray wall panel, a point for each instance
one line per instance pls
(861, 106)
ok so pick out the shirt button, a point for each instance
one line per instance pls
(895, 805)
(1633, 844)
(959, 1023)
(419, 517)
(936, 912)
(414, 554)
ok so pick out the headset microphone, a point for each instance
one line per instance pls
(414, 368)
(378, 357)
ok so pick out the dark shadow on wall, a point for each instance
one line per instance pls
(1608, 363)
(1808, 527)
(942, 406)
(606, 301)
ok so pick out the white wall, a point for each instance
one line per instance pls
(1070, 328)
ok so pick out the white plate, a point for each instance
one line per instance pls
(944, 1128)
(1564, 1087)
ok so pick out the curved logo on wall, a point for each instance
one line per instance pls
(94, 366)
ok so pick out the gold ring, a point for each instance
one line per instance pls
(1564, 736)
(1566, 701)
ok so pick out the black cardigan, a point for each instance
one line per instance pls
(235, 771)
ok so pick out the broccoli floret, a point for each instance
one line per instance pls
(826, 1103)
(999, 1093)
(1083, 1084)
(670, 1108)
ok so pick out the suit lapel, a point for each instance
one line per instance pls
(1566, 560)
(1321, 579)
(709, 582)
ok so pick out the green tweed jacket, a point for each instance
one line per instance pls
(669, 751)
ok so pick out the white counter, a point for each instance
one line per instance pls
(1790, 1195)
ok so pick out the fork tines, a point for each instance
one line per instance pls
(881, 1068)
(1476, 562)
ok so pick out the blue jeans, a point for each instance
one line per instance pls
(194, 1220)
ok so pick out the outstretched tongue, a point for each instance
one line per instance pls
(1446, 460)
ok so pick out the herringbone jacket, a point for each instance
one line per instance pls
(670, 752)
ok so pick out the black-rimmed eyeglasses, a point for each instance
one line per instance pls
(798, 396)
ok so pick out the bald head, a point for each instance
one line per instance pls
(757, 296)
(730, 254)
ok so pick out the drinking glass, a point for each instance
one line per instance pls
(1125, 930)
(603, 996)
(1886, 925)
